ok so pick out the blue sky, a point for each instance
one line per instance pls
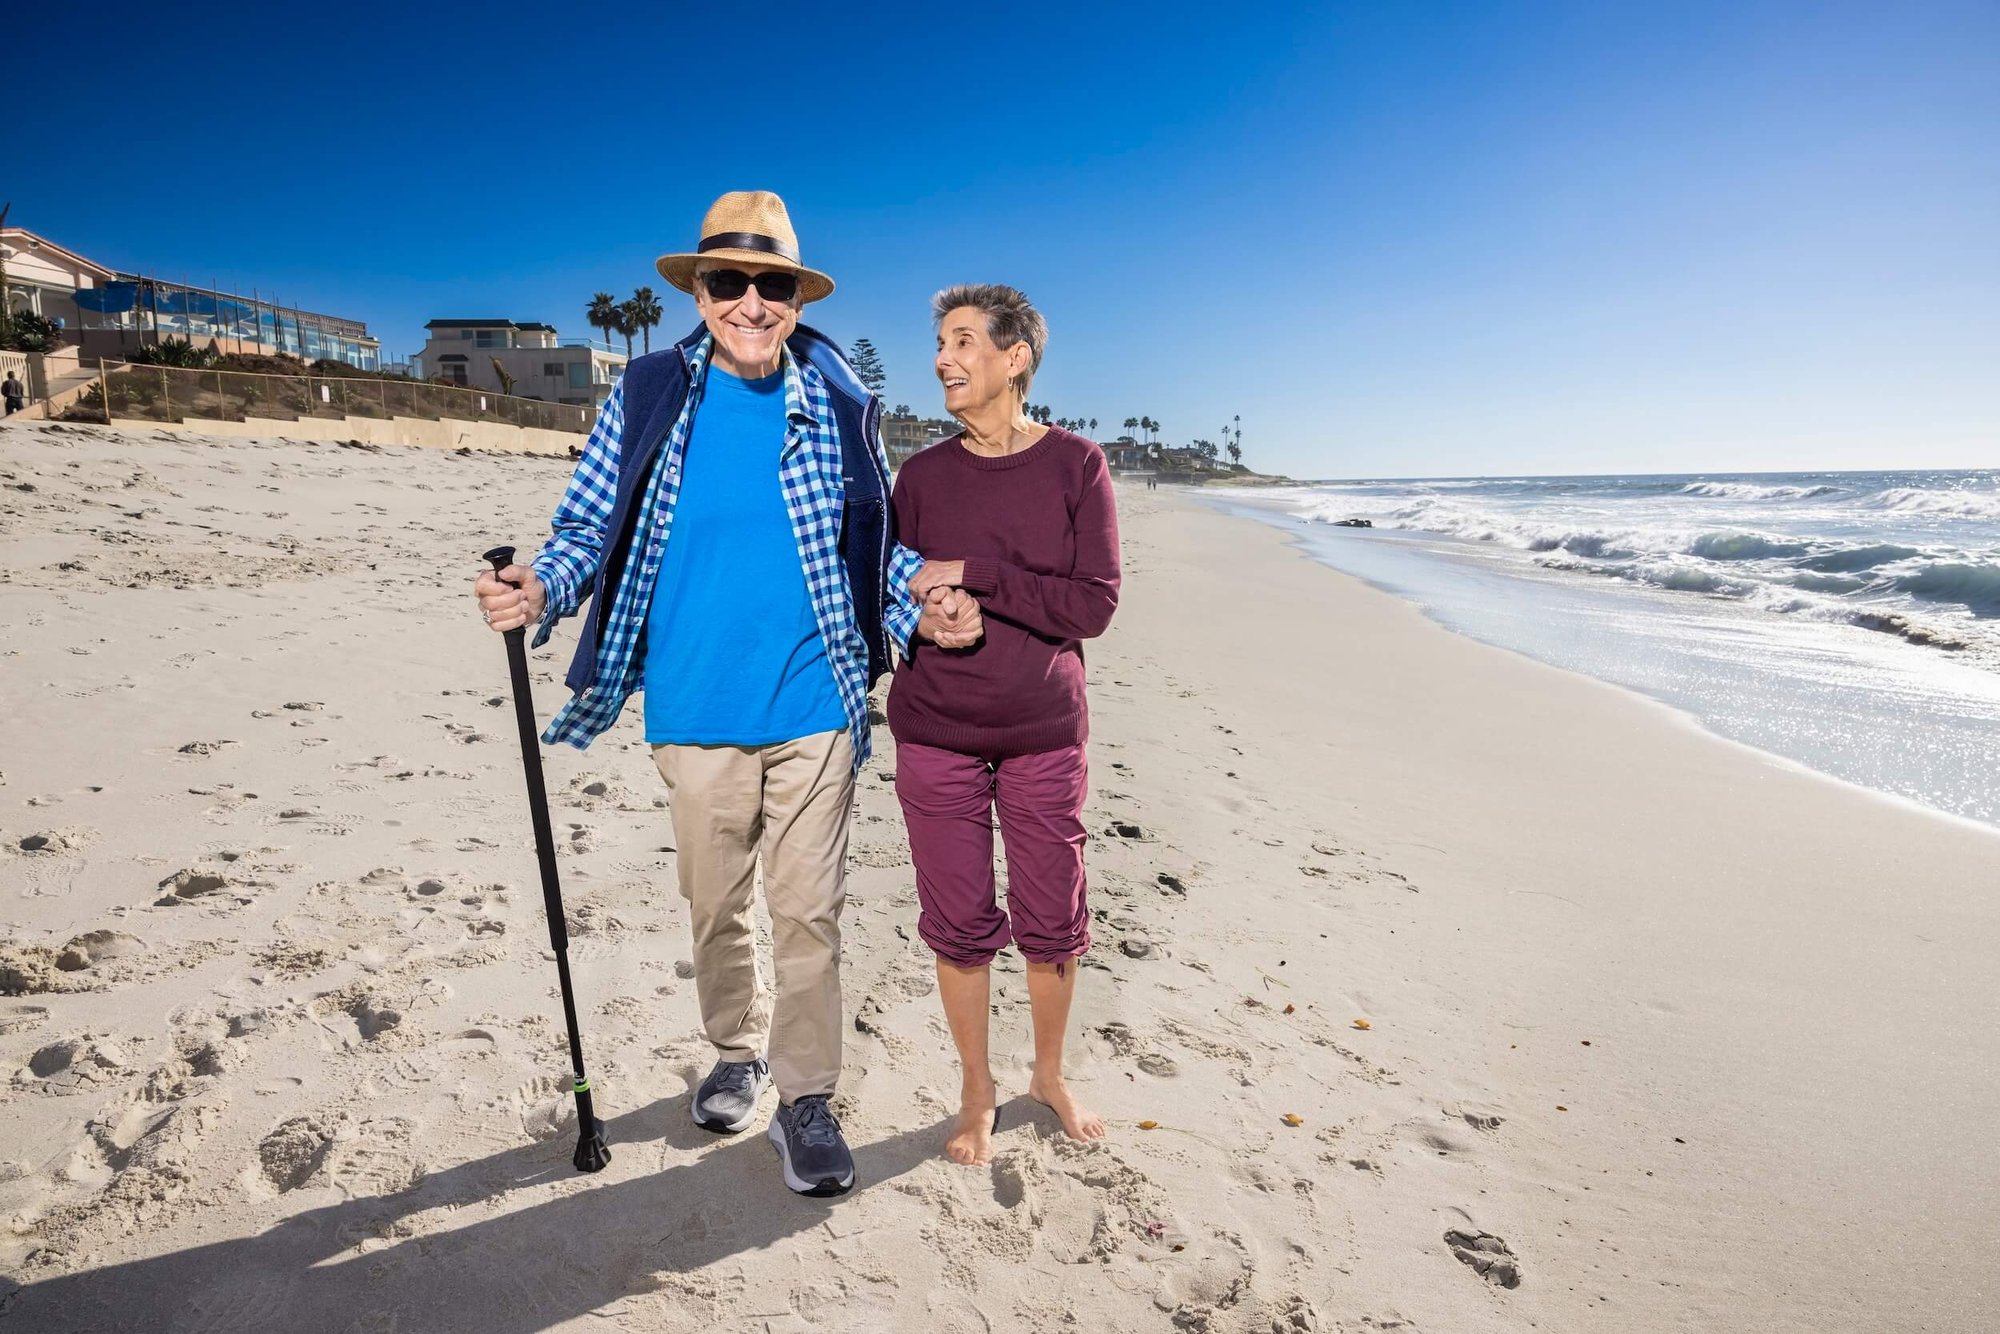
(1396, 238)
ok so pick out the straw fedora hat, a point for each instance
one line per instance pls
(750, 227)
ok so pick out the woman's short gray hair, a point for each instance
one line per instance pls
(1010, 318)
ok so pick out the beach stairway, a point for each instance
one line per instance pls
(64, 388)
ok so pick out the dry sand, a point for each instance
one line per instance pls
(1589, 1020)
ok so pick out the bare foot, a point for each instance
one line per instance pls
(1078, 1121)
(971, 1139)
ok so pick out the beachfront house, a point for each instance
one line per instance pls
(1173, 460)
(1127, 455)
(526, 359)
(904, 433)
(43, 278)
(106, 313)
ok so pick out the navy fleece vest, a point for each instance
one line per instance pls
(656, 389)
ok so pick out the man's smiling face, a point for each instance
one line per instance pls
(749, 331)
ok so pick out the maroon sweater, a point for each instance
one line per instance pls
(1038, 532)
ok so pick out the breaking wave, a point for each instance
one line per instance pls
(1752, 491)
(1951, 504)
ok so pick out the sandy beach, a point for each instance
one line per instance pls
(1433, 989)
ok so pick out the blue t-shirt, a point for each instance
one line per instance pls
(733, 651)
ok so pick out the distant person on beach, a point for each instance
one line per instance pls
(754, 634)
(1021, 517)
(13, 391)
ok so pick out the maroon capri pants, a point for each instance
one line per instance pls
(949, 800)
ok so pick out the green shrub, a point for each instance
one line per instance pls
(29, 332)
(177, 352)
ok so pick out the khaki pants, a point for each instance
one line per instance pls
(788, 803)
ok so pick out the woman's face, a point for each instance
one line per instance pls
(974, 373)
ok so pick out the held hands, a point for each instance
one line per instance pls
(936, 574)
(508, 608)
(951, 617)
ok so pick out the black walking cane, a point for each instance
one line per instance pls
(591, 1152)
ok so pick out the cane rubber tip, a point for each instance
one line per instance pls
(592, 1153)
(501, 557)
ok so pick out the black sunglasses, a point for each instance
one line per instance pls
(728, 284)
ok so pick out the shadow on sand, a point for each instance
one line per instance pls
(598, 1242)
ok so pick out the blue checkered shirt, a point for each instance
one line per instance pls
(809, 471)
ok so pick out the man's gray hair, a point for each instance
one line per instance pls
(1010, 318)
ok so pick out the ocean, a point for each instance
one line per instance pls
(1847, 621)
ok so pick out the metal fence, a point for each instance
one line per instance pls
(173, 394)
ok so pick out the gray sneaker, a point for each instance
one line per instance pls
(727, 1100)
(810, 1149)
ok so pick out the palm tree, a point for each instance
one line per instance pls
(602, 313)
(1131, 425)
(646, 307)
(626, 321)
(1235, 452)
(1093, 428)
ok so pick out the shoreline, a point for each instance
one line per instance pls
(1708, 698)
(1706, 1045)
(1296, 542)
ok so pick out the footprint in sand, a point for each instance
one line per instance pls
(1480, 1117)
(372, 1015)
(375, 1158)
(385, 877)
(205, 885)
(1033, 1207)
(1209, 1279)
(1125, 1045)
(21, 1018)
(80, 965)
(1489, 1256)
(202, 1039)
(141, 1151)
(55, 842)
(546, 1107)
(1133, 1209)
(661, 860)
(481, 912)
(291, 1154)
(292, 958)
(76, 1064)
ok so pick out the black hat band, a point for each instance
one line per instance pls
(748, 241)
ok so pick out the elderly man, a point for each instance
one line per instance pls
(728, 523)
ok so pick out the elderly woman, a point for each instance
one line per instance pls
(1020, 517)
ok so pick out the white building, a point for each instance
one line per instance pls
(43, 278)
(536, 364)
